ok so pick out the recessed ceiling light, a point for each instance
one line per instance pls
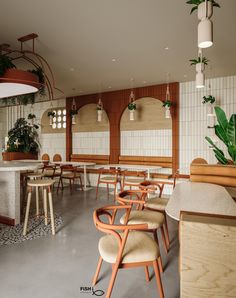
(72, 69)
(166, 48)
(109, 87)
(113, 60)
(144, 82)
(185, 76)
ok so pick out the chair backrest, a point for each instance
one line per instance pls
(199, 160)
(111, 172)
(151, 186)
(57, 157)
(49, 169)
(45, 157)
(132, 198)
(68, 168)
(134, 174)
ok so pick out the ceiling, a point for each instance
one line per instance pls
(79, 38)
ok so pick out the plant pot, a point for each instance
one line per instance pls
(200, 67)
(201, 11)
(167, 113)
(131, 115)
(99, 118)
(210, 109)
(50, 120)
(8, 156)
(73, 121)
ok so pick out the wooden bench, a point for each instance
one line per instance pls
(162, 161)
(98, 159)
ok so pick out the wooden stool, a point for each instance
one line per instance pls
(46, 186)
(35, 176)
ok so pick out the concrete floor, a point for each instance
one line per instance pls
(56, 267)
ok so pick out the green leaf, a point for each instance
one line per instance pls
(221, 118)
(232, 153)
(220, 157)
(213, 145)
(221, 134)
(231, 130)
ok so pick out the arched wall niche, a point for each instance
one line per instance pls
(150, 134)
(89, 135)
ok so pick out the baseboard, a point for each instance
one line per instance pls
(7, 221)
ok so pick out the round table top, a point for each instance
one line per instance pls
(202, 198)
(13, 166)
(74, 163)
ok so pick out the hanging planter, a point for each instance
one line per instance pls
(209, 101)
(131, 108)
(31, 117)
(99, 110)
(202, 12)
(73, 114)
(199, 5)
(167, 104)
(200, 64)
(51, 115)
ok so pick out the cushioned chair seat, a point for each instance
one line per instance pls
(108, 179)
(70, 175)
(152, 218)
(156, 203)
(139, 247)
(134, 181)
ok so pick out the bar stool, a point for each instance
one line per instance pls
(46, 185)
(35, 176)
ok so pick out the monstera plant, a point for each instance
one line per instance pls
(226, 132)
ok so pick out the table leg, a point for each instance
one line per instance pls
(85, 178)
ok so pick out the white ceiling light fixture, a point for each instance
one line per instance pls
(200, 67)
(205, 27)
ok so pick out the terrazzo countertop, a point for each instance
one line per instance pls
(13, 166)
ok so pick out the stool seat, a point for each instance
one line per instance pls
(42, 182)
(34, 175)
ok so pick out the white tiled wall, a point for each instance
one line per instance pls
(91, 143)
(147, 142)
(193, 118)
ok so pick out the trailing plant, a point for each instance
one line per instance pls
(132, 106)
(40, 74)
(5, 63)
(167, 104)
(226, 132)
(23, 99)
(211, 99)
(23, 137)
(51, 113)
(203, 60)
(198, 2)
(31, 116)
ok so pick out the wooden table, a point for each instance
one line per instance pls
(200, 197)
(77, 164)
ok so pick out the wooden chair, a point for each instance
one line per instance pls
(154, 220)
(125, 246)
(133, 178)
(70, 173)
(45, 157)
(108, 177)
(56, 157)
(156, 203)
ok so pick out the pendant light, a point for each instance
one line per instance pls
(167, 103)
(200, 67)
(99, 109)
(205, 27)
(132, 104)
(73, 112)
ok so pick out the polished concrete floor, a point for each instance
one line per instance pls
(56, 267)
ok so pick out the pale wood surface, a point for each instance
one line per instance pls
(207, 256)
(200, 197)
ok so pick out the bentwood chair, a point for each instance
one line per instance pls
(56, 157)
(157, 202)
(132, 178)
(45, 158)
(108, 177)
(125, 246)
(68, 172)
(138, 215)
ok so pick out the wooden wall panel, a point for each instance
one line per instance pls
(114, 103)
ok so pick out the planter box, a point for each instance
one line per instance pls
(7, 156)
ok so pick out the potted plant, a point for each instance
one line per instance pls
(5, 63)
(225, 130)
(167, 104)
(131, 108)
(51, 115)
(200, 6)
(209, 99)
(73, 112)
(22, 141)
(200, 63)
(99, 112)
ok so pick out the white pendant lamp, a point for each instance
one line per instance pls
(205, 27)
(205, 34)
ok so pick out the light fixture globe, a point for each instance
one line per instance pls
(205, 34)
(200, 80)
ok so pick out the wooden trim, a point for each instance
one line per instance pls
(185, 176)
(182, 213)
(120, 100)
(7, 220)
